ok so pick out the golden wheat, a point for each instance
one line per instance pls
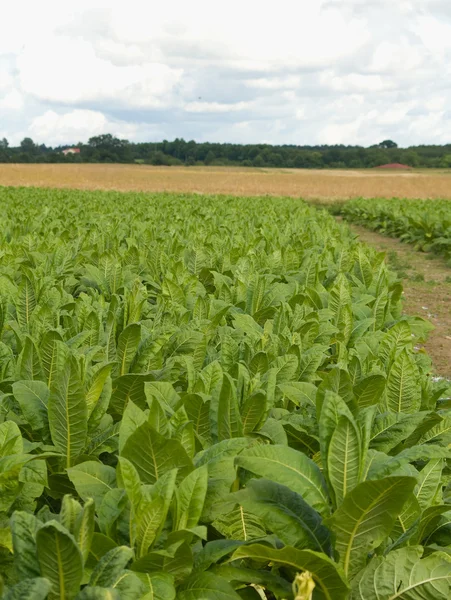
(322, 185)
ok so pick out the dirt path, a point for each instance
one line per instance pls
(427, 291)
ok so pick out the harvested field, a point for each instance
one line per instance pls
(310, 184)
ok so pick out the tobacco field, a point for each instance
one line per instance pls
(212, 398)
(424, 223)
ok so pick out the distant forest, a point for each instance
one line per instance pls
(109, 149)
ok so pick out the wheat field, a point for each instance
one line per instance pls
(310, 184)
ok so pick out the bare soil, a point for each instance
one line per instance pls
(427, 291)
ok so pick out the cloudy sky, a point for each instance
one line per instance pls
(285, 71)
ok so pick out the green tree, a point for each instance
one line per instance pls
(388, 144)
(28, 146)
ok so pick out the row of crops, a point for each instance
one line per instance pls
(423, 223)
(212, 398)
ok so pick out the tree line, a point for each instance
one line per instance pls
(107, 148)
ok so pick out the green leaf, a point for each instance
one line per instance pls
(132, 418)
(228, 419)
(366, 517)
(113, 504)
(96, 386)
(429, 482)
(60, 560)
(10, 439)
(253, 412)
(70, 510)
(111, 566)
(153, 455)
(53, 353)
(176, 560)
(290, 468)
(206, 585)
(160, 586)
(404, 575)
(331, 583)
(127, 346)
(29, 361)
(190, 498)
(285, 513)
(68, 415)
(369, 390)
(32, 397)
(84, 529)
(29, 589)
(300, 392)
(403, 390)
(92, 480)
(239, 525)
(98, 593)
(24, 527)
(344, 458)
(150, 520)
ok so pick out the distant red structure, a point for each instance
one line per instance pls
(71, 151)
(393, 166)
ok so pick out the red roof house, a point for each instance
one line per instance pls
(393, 166)
(71, 151)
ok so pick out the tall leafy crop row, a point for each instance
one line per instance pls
(424, 223)
(211, 398)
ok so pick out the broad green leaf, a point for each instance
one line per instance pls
(366, 517)
(98, 593)
(330, 582)
(227, 415)
(206, 585)
(24, 527)
(10, 439)
(68, 415)
(133, 417)
(285, 513)
(404, 575)
(403, 391)
(253, 412)
(176, 560)
(150, 520)
(112, 505)
(190, 498)
(60, 560)
(369, 390)
(33, 397)
(153, 455)
(69, 512)
(96, 386)
(92, 480)
(53, 353)
(290, 468)
(29, 362)
(344, 458)
(239, 524)
(160, 586)
(111, 566)
(127, 346)
(29, 589)
(84, 529)
(429, 483)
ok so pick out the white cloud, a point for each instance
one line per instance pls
(216, 107)
(336, 71)
(77, 125)
(12, 100)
